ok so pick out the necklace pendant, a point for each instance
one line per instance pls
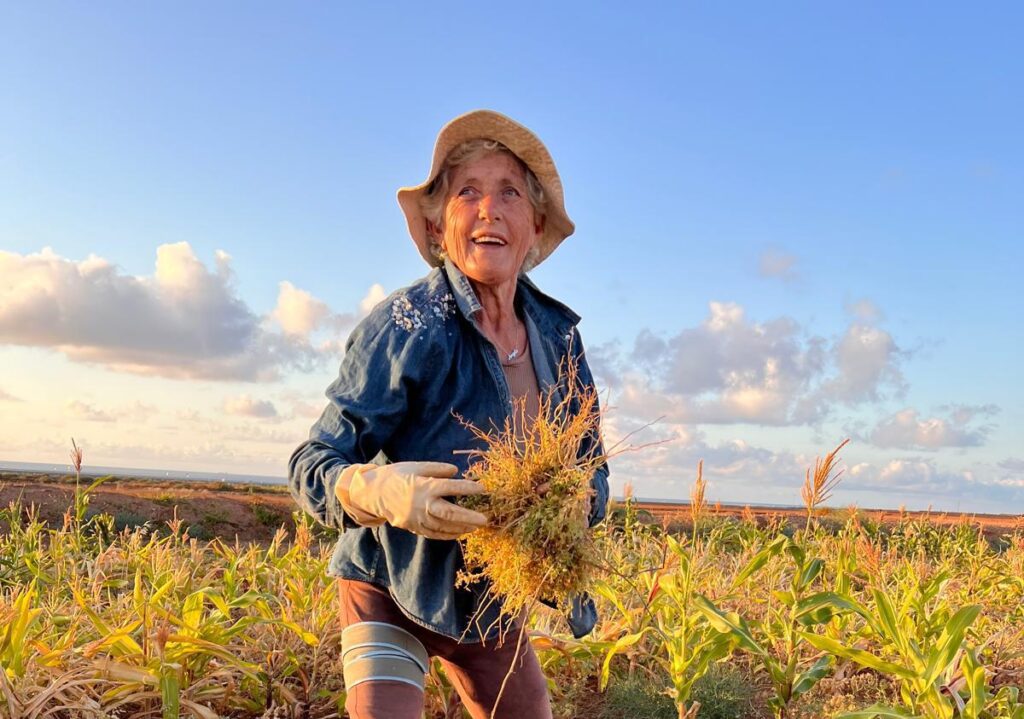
(512, 355)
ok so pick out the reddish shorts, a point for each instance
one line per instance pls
(476, 671)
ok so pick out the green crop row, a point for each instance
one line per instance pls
(859, 621)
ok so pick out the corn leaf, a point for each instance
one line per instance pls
(170, 691)
(759, 560)
(192, 610)
(949, 643)
(199, 710)
(119, 671)
(974, 677)
(814, 674)
(623, 643)
(811, 572)
(865, 659)
(728, 624)
(887, 621)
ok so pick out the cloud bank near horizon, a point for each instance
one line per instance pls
(185, 321)
(730, 369)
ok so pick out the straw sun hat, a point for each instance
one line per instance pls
(490, 125)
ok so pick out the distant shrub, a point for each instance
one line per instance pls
(215, 516)
(128, 520)
(166, 499)
(200, 532)
(266, 516)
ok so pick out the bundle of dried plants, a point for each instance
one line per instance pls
(537, 545)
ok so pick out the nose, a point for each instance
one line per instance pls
(488, 208)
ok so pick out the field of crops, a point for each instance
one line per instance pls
(713, 618)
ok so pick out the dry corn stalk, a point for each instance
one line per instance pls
(818, 488)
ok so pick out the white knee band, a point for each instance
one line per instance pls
(376, 651)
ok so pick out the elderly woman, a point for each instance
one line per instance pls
(467, 341)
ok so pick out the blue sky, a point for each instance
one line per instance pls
(818, 172)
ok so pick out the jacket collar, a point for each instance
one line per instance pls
(542, 306)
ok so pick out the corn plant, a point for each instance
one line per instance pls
(777, 642)
(924, 640)
(686, 643)
(146, 622)
(18, 624)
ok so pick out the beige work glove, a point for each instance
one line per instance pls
(409, 495)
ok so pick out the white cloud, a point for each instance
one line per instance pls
(76, 409)
(910, 481)
(306, 410)
(906, 430)
(140, 411)
(204, 455)
(1013, 464)
(298, 312)
(867, 359)
(246, 406)
(915, 475)
(731, 369)
(775, 263)
(1010, 473)
(922, 482)
(865, 310)
(737, 471)
(184, 321)
(250, 434)
(962, 414)
(136, 412)
(374, 297)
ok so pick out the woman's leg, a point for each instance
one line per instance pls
(377, 643)
(478, 671)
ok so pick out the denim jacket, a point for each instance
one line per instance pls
(411, 368)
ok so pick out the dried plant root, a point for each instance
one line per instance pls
(538, 545)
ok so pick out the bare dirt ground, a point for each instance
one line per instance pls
(994, 525)
(253, 512)
(249, 512)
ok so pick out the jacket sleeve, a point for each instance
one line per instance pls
(593, 444)
(366, 404)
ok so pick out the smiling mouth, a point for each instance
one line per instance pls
(489, 240)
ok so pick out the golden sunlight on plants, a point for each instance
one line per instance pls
(538, 544)
(818, 487)
(705, 617)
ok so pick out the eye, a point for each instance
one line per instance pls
(511, 192)
(465, 191)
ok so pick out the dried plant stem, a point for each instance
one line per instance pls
(818, 488)
(538, 489)
(512, 664)
(697, 501)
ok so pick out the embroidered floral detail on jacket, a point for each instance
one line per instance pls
(405, 315)
(409, 317)
(443, 307)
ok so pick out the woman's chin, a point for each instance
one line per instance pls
(490, 275)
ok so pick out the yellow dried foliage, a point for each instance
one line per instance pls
(538, 544)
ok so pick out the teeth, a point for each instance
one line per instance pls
(488, 240)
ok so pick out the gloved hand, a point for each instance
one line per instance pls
(409, 495)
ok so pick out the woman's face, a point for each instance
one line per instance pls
(489, 222)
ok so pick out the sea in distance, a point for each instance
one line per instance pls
(135, 472)
(174, 475)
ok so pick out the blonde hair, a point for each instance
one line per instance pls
(432, 201)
